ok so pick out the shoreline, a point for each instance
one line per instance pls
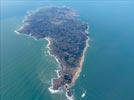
(77, 70)
(77, 74)
(51, 90)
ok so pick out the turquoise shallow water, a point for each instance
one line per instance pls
(107, 72)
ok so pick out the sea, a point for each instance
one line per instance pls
(26, 69)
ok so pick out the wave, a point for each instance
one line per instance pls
(83, 94)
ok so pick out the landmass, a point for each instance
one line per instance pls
(68, 41)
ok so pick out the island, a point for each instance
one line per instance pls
(68, 41)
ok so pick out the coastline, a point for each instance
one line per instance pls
(51, 90)
(81, 62)
(75, 73)
(49, 43)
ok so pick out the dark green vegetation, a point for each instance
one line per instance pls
(67, 33)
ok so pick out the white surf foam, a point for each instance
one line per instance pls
(83, 94)
(69, 98)
(17, 32)
(53, 91)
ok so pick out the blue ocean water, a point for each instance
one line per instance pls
(26, 69)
